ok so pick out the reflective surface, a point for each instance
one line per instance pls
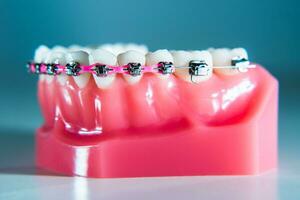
(213, 128)
(19, 180)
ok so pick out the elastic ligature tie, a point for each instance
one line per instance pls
(195, 68)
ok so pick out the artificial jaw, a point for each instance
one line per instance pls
(155, 124)
(151, 99)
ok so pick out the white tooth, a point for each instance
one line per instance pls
(40, 56)
(47, 60)
(115, 49)
(131, 56)
(118, 48)
(140, 48)
(58, 57)
(59, 48)
(41, 53)
(240, 52)
(80, 48)
(81, 57)
(86, 49)
(205, 56)
(223, 57)
(104, 57)
(106, 47)
(162, 55)
(74, 47)
(182, 59)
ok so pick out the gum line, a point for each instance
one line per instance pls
(150, 106)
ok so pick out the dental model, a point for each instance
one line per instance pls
(121, 111)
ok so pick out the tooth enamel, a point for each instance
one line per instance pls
(59, 48)
(41, 53)
(74, 47)
(140, 48)
(207, 58)
(115, 49)
(80, 48)
(223, 57)
(118, 49)
(162, 55)
(81, 57)
(39, 56)
(57, 57)
(131, 56)
(182, 59)
(47, 60)
(104, 57)
(241, 52)
(106, 47)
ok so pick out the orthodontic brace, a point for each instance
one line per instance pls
(196, 68)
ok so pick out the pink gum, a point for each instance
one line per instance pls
(247, 147)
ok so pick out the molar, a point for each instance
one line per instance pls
(104, 57)
(223, 57)
(81, 57)
(131, 56)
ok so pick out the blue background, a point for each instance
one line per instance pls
(269, 30)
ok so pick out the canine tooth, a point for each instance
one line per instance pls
(104, 57)
(223, 57)
(131, 56)
(81, 57)
(106, 47)
(162, 55)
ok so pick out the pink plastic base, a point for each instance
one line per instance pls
(246, 148)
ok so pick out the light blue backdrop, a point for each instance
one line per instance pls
(268, 29)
